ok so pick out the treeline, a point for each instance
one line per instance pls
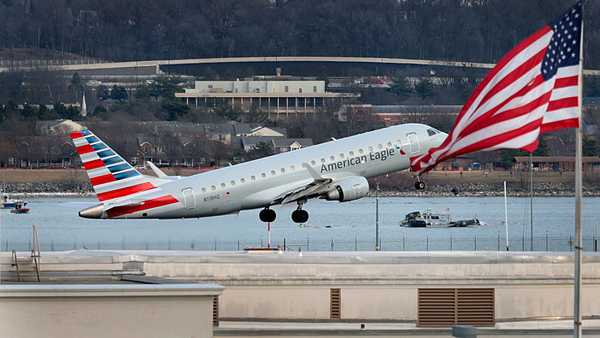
(476, 30)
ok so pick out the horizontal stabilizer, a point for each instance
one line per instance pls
(159, 173)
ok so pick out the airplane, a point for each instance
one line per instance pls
(336, 171)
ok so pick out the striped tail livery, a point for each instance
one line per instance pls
(122, 190)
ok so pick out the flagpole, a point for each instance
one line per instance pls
(577, 317)
(531, 200)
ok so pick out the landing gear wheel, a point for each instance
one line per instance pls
(300, 216)
(420, 185)
(267, 215)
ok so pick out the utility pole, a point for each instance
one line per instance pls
(377, 246)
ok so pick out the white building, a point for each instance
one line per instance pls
(278, 98)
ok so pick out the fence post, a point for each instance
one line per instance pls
(475, 242)
(52, 245)
(355, 243)
(332, 245)
(498, 241)
(546, 240)
(523, 243)
(284, 244)
(404, 241)
(570, 243)
(307, 244)
(238, 245)
(427, 236)
(451, 242)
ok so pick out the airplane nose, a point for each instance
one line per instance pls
(92, 212)
(439, 139)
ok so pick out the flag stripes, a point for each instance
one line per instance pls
(533, 89)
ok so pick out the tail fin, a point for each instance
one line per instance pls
(110, 175)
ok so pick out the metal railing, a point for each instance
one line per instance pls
(546, 243)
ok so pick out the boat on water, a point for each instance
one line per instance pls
(429, 219)
(9, 203)
(20, 208)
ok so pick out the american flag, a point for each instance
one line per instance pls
(533, 89)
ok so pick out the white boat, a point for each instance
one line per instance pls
(8, 203)
(429, 219)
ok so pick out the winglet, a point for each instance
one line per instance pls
(313, 172)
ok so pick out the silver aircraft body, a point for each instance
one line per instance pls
(336, 170)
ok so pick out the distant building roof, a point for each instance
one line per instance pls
(249, 142)
(58, 127)
(280, 142)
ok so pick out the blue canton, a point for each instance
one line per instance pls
(563, 49)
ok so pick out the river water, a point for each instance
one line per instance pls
(332, 226)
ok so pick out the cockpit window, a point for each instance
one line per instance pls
(432, 131)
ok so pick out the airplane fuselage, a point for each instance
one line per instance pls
(265, 182)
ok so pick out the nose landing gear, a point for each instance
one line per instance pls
(267, 215)
(419, 184)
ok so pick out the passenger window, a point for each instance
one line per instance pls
(263, 175)
(342, 156)
(322, 160)
(351, 153)
(282, 170)
(370, 148)
(212, 187)
(389, 144)
(203, 189)
(379, 146)
(223, 185)
(313, 162)
(232, 182)
(360, 151)
(273, 172)
(253, 178)
(293, 167)
(332, 158)
(243, 180)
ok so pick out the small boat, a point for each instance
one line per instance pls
(20, 208)
(429, 219)
(8, 203)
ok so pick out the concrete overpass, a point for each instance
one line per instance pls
(153, 66)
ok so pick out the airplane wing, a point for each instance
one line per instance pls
(317, 186)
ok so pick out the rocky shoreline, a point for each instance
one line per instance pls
(75, 189)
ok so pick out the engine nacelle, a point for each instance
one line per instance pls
(349, 189)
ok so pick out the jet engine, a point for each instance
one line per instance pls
(349, 189)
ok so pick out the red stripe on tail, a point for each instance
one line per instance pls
(102, 179)
(93, 164)
(149, 204)
(76, 134)
(109, 195)
(85, 149)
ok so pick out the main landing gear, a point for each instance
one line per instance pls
(299, 215)
(419, 184)
(267, 215)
